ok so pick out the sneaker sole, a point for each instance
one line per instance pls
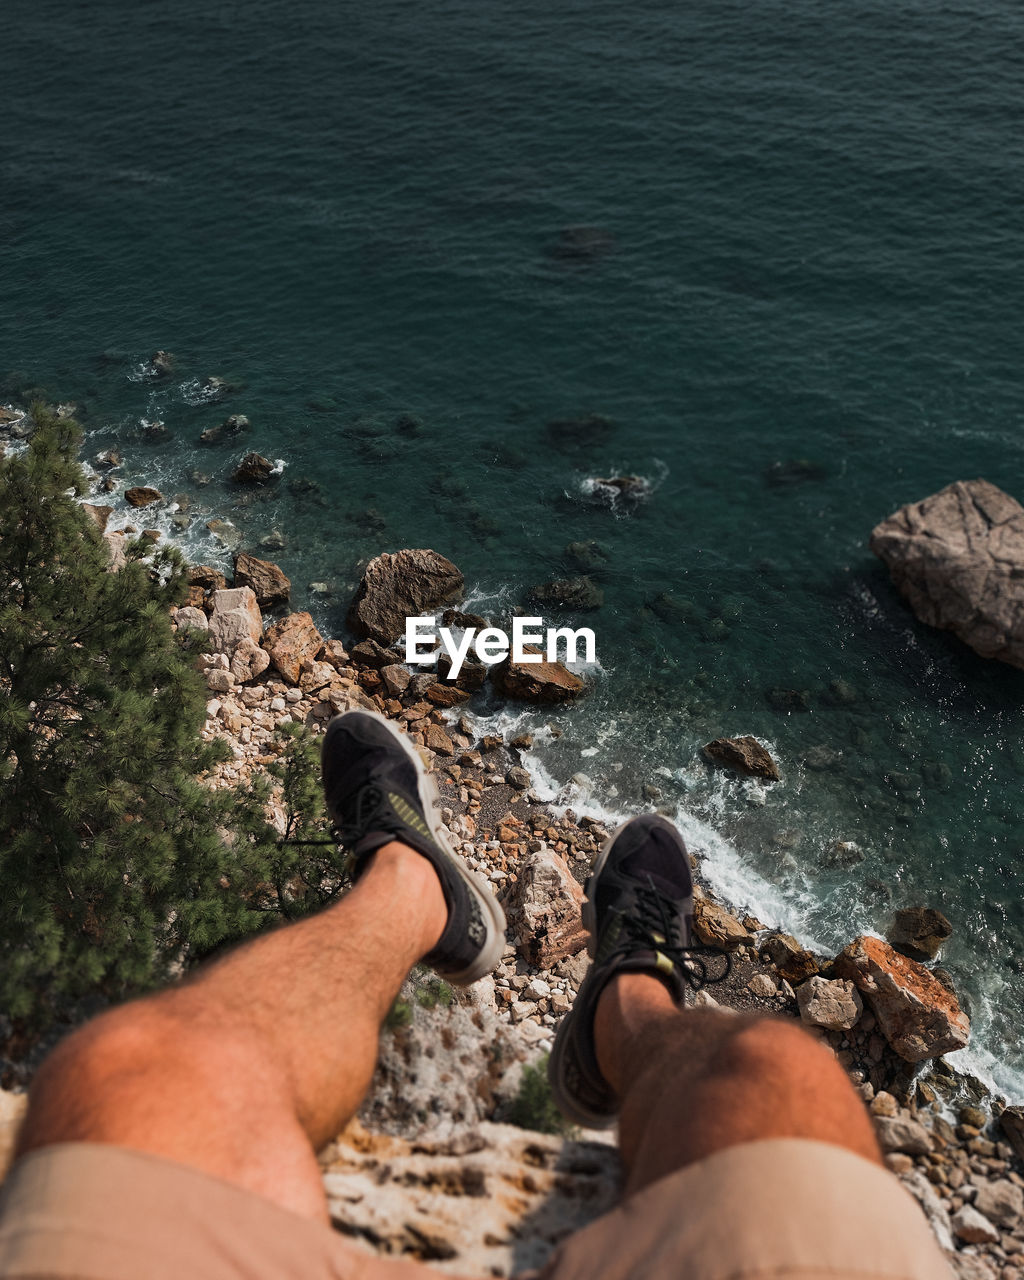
(429, 797)
(564, 1100)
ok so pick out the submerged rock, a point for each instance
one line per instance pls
(958, 560)
(788, 700)
(227, 534)
(619, 488)
(590, 430)
(918, 1016)
(581, 244)
(580, 593)
(229, 429)
(407, 583)
(794, 471)
(743, 755)
(589, 555)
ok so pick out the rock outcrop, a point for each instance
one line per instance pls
(463, 1201)
(743, 755)
(958, 558)
(395, 586)
(918, 1016)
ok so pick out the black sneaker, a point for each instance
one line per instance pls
(377, 790)
(639, 914)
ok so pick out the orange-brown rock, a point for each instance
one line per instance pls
(445, 695)
(142, 496)
(918, 1016)
(437, 740)
(266, 579)
(292, 643)
(743, 755)
(793, 962)
(537, 681)
(716, 927)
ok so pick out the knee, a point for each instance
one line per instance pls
(109, 1075)
(780, 1049)
(88, 1069)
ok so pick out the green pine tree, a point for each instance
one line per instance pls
(117, 864)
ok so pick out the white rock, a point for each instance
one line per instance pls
(218, 681)
(836, 1005)
(234, 616)
(191, 617)
(901, 1133)
(972, 1227)
(1002, 1202)
(934, 1210)
(762, 986)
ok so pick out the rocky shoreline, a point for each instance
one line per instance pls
(433, 1137)
(453, 1063)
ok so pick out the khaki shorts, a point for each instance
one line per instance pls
(766, 1209)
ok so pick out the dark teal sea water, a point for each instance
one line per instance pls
(811, 250)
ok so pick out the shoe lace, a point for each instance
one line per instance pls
(359, 816)
(655, 927)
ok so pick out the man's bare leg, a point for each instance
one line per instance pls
(247, 1069)
(695, 1081)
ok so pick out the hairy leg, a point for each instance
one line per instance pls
(247, 1069)
(695, 1081)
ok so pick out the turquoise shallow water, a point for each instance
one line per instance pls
(810, 250)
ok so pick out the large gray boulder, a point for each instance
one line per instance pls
(958, 558)
(234, 616)
(409, 583)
